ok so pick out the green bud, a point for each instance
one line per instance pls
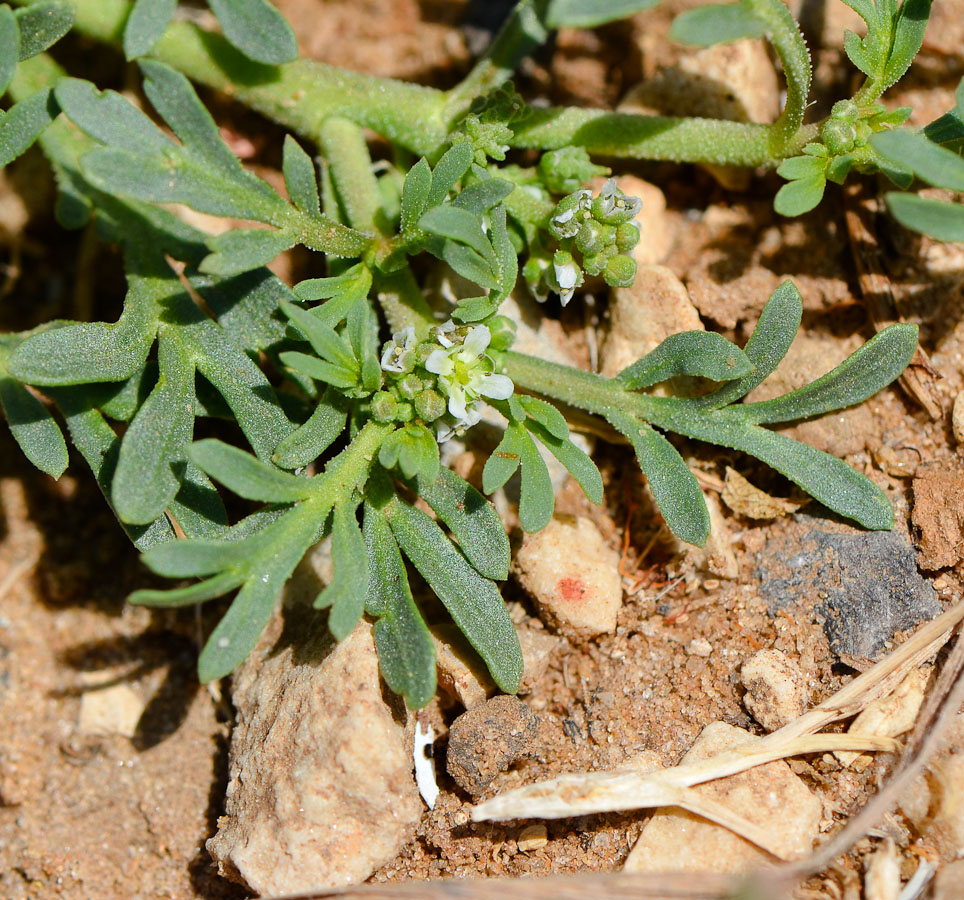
(839, 136)
(503, 331)
(384, 407)
(424, 350)
(845, 110)
(627, 236)
(597, 262)
(593, 236)
(566, 170)
(409, 386)
(430, 405)
(620, 271)
(405, 412)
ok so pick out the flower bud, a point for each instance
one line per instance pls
(620, 271)
(430, 405)
(627, 236)
(409, 386)
(845, 110)
(384, 407)
(838, 136)
(593, 236)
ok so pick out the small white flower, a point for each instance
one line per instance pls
(398, 351)
(567, 276)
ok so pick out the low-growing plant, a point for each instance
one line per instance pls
(343, 387)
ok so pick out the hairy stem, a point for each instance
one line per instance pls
(402, 302)
(344, 144)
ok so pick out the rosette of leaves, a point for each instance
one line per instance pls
(934, 155)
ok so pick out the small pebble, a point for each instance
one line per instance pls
(775, 689)
(533, 837)
(699, 647)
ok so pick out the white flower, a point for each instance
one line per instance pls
(398, 351)
(567, 276)
(464, 374)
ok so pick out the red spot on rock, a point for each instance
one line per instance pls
(572, 589)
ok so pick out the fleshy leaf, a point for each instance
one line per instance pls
(146, 23)
(257, 29)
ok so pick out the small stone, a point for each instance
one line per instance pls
(745, 499)
(111, 710)
(770, 796)
(532, 837)
(699, 647)
(776, 690)
(717, 555)
(643, 315)
(898, 462)
(938, 516)
(537, 646)
(573, 576)
(321, 791)
(487, 739)
(957, 418)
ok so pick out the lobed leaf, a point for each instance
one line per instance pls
(310, 440)
(33, 427)
(701, 353)
(472, 519)
(675, 489)
(473, 602)
(406, 653)
(349, 586)
(576, 462)
(246, 475)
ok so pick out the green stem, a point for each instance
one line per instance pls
(346, 149)
(348, 471)
(299, 95)
(402, 302)
(522, 33)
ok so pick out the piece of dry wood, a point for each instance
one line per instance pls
(920, 378)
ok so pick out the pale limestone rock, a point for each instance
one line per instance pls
(717, 555)
(110, 710)
(882, 879)
(321, 791)
(573, 575)
(771, 796)
(957, 418)
(532, 837)
(776, 689)
(643, 315)
(537, 646)
(461, 672)
(949, 882)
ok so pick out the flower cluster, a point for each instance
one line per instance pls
(599, 231)
(442, 380)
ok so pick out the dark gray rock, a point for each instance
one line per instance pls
(864, 587)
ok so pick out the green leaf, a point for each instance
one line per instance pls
(324, 340)
(479, 198)
(934, 164)
(908, 38)
(590, 13)
(153, 452)
(503, 462)
(944, 221)
(24, 122)
(701, 353)
(769, 343)
(320, 370)
(948, 130)
(858, 54)
(346, 593)
(81, 354)
(461, 226)
(577, 463)
(546, 415)
(406, 654)
(145, 25)
(33, 428)
(536, 498)
(505, 252)
(301, 180)
(869, 369)
(473, 309)
(197, 507)
(414, 450)
(42, 25)
(708, 25)
(217, 586)
(800, 196)
(243, 249)
(472, 519)
(448, 170)
(802, 167)
(257, 29)
(308, 442)
(196, 558)
(415, 192)
(675, 489)
(9, 46)
(473, 602)
(110, 118)
(246, 475)
(470, 265)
